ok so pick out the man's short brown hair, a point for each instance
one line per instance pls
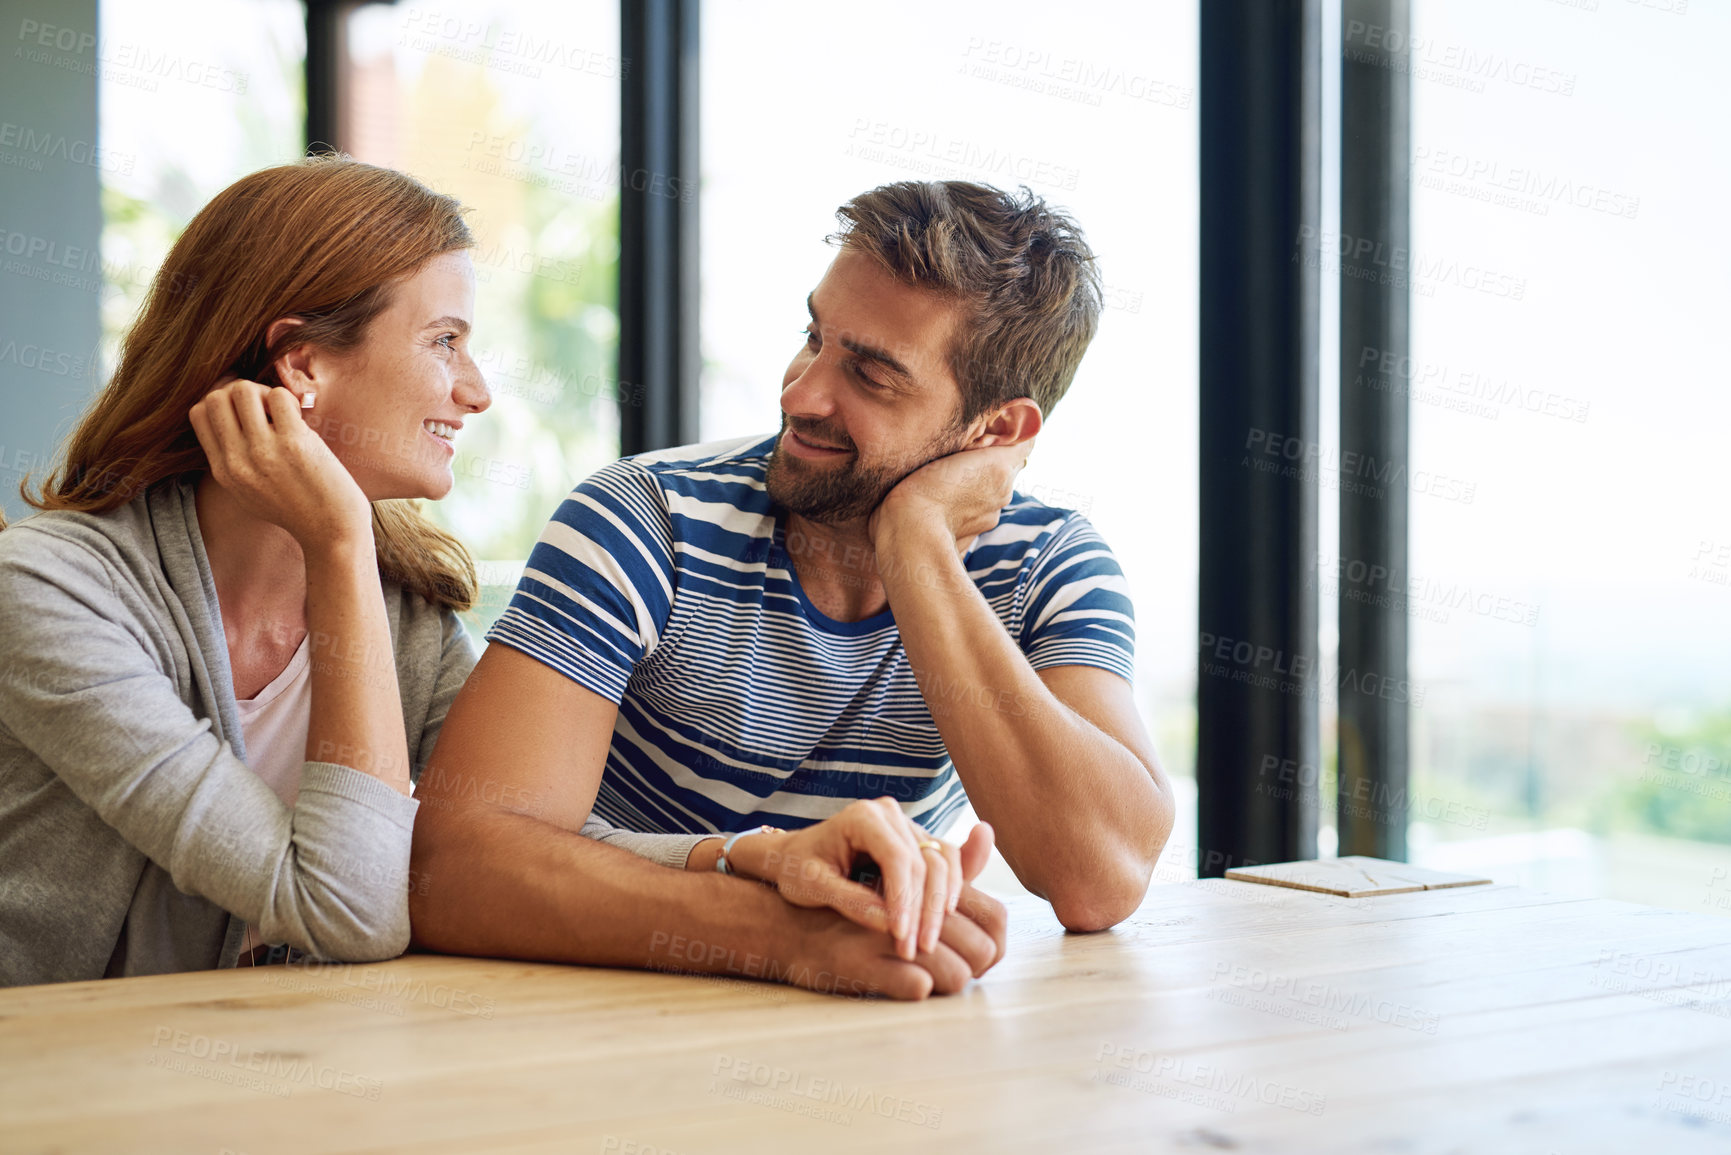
(1024, 276)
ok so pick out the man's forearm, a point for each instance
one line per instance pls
(1078, 815)
(498, 884)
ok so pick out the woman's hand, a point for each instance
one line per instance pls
(921, 876)
(262, 452)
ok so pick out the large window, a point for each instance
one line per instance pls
(805, 105)
(186, 109)
(1569, 585)
(1569, 597)
(512, 107)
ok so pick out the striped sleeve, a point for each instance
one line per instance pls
(598, 587)
(1078, 610)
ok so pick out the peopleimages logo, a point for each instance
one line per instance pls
(224, 1061)
(1322, 996)
(310, 974)
(1369, 259)
(27, 355)
(141, 66)
(799, 1090)
(1174, 1077)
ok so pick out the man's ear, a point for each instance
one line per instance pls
(1015, 422)
(293, 365)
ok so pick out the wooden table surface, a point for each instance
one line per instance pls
(1224, 1016)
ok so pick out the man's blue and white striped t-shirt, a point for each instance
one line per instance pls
(663, 583)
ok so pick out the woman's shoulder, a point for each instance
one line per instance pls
(432, 647)
(417, 622)
(62, 567)
(64, 540)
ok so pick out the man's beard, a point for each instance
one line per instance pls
(836, 495)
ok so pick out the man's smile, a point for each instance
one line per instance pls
(812, 450)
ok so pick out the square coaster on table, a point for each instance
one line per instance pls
(1355, 876)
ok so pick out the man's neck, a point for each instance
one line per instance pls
(837, 567)
(259, 571)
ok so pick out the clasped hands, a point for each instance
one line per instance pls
(924, 900)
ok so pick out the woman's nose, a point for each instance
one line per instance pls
(471, 391)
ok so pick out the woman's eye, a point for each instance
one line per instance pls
(810, 337)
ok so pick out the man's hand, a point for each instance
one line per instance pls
(922, 877)
(834, 956)
(1085, 840)
(959, 495)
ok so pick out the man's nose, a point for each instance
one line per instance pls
(812, 393)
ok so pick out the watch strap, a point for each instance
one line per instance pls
(722, 865)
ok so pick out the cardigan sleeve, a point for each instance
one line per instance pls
(86, 684)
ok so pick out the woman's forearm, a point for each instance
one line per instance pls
(357, 715)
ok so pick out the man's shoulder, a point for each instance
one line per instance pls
(695, 470)
(1029, 525)
(715, 486)
(718, 462)
(1033, 536)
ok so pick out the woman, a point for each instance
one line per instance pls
(227, 645)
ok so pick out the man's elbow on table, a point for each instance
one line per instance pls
(1100, 904)
(1107, 877)
(438, 837)
(1102, 900)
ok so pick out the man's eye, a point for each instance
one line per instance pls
(810, 336)
(855, 368)
(446, 340)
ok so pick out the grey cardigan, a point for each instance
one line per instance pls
(133, 837)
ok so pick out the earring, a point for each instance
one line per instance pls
(307, 399)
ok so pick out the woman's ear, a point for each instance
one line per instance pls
(292, 365)
(1016, 422)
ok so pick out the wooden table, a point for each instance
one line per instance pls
(1225, 1016)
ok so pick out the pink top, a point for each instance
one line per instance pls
(275, 727)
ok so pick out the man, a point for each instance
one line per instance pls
(754, 639)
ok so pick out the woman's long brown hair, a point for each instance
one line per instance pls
(324, 240)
